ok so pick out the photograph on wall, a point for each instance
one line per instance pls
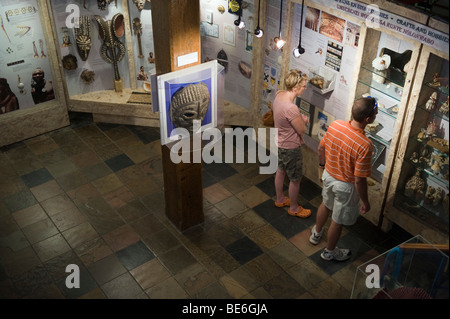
(229, 34)
(378, 149)
(320, 123)
(312, 18)
(352, 34)
(332, 26)
(334, 56)
(187, 95)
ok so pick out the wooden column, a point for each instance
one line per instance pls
(176, 32)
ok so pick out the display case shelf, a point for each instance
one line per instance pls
(392, 91)
(392, 75)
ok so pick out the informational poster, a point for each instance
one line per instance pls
(26, 78)
(232, 47)
(330, 42)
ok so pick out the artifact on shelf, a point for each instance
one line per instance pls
(372, 127)
(431, 103)
(21, 86)
(414, 157)
(112, 50)
(69, 62)
(88, 76)
(444, 108)
(439, 143)
(322, 79)
(414, 186)
(83, 37)
(8, 100)
(381, 64)
(137, 27)
(429, 195)
(427, 133)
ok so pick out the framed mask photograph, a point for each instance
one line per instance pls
(186, 96)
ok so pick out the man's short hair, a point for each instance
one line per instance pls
(363, 108)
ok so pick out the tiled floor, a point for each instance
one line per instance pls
(92, 195)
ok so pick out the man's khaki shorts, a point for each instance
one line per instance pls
(342, 198)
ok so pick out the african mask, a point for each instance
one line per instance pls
(139, 4)
(188, 104)
(112, 50)
(83, 37)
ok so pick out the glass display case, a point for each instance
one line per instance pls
(386, 73)
(418, 197)
(415, 269)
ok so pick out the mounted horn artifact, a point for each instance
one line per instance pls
(112, 50)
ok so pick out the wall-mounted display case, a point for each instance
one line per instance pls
(31, 95)
(418, 197)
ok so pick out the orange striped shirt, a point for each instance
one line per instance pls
(348, 152)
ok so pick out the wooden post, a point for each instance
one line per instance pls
(176, 32)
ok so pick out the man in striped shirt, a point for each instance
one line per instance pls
(345, 154)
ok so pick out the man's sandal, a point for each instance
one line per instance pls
(302, 213)
(287, 202)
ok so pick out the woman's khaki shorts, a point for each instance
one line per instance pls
(342, 198)
(291, 161)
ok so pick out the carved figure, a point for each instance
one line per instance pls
(431, 103)
(415, 186)
(444, 108)
(112, 50)
(83, 37)
(188, 104)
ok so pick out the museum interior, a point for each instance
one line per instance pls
(106, 194)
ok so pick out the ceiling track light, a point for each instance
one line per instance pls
(298, 51)
(279, 42)
(239, 22)
(258, 31)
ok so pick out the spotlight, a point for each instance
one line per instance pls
(258, 31)
(239, 23)
(279, 42)
(299, 50)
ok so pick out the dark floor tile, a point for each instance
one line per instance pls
(56, 267)
(348, 241)
(309, 189)
(20, 201)
(145, 134)
(107, 126)
(268, 186)
(87, 284)
(29, 283)
(269, 211)
(219, 171)
(284, 286)
(119, 162)
(288, 225)
(243, 250)
(207, 179)
(37, 177)
(134, 255)
(177, 259)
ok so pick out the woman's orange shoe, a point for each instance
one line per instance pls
(287, 202)
(302, 212)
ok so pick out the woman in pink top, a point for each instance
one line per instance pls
(291, 126)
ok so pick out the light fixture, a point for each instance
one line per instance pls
(279, 42)
(299, 50)
(239, 22)
(258, 31)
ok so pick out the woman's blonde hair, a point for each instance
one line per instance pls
(294, 78)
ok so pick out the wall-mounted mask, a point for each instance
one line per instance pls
(102, 4)
(83, 37)
(188, 104)
(112, 50)
(139, 4)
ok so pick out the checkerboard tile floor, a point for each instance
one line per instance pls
(92, 195)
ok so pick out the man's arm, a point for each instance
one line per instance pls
(361, 188)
